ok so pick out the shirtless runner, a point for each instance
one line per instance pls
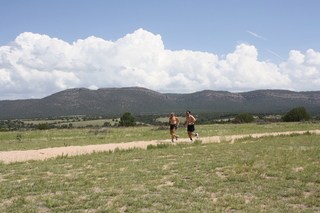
(190, 120)
(173, 122)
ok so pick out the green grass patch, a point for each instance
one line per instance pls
(159, 146)
(39, 139)
(75, 123)
(270, 174)
(166, 119)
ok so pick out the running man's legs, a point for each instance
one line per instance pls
(172, 132)
(191, 132)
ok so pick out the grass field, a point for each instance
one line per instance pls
(81, 123)
(26, 140)
(269, 174)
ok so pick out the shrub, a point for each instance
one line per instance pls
(43, 126)
(127, 120)
(297, 114)
(106, 124)
(244, 118)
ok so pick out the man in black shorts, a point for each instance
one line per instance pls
(173, 122)
(190, 120)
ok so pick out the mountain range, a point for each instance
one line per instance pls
(137, 100)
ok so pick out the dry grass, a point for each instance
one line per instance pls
(269, 174)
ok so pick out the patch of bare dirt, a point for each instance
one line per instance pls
(43, 154)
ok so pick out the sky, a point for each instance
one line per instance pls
(169, 46)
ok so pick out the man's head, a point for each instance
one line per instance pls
(188, 112)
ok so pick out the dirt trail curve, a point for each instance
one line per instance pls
(43, 154)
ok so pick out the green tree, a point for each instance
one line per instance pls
(127, 120)
(43, 126)
(244, 118)
(297, 114)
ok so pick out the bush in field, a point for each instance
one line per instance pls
(297, 114)
(243, 118)
(127, 120)
(106, 124)
(43, 126)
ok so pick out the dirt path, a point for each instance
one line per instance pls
(42, 154)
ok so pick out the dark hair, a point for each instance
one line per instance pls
(189, 111)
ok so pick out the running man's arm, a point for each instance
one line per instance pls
(194, 119)
(178, 121)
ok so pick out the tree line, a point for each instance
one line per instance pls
(128, 119)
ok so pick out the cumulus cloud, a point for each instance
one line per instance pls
(244, 71)
(34, 66)
(303, 69)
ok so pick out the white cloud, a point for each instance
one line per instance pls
(304, 70)
(93, 87)
(243, 70)
(36, 66)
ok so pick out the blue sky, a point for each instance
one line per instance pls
(191, 45)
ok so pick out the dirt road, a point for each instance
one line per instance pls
(42, 154)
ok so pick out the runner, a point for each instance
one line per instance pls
(173, 122)
(190, 120)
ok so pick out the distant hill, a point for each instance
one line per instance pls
(137, 100)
